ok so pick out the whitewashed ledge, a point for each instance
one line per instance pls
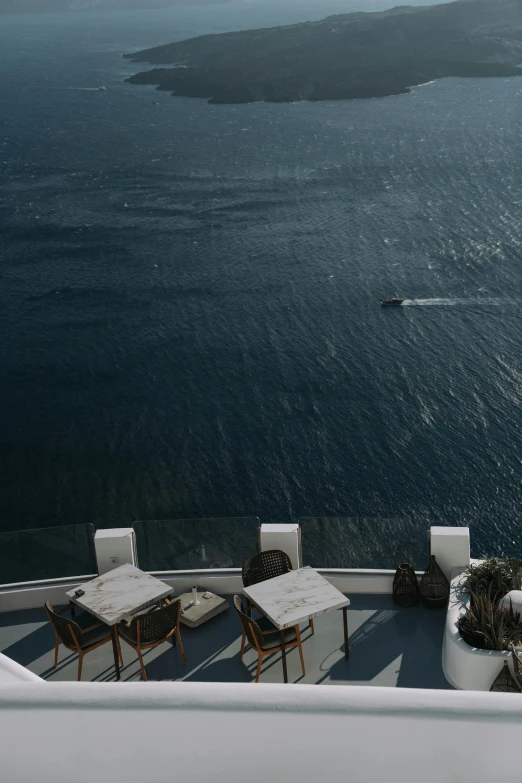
(12, 672)
(467, 668)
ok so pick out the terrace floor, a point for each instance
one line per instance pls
(388, 646)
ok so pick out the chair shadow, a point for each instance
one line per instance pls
(202, 646)
(414, 635)
(212, 651)
(204, 661)
(35, 644)
(62, 664)
(23, 617)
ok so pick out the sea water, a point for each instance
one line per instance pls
(189, 293)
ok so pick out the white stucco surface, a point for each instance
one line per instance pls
(282, 536)
(450, 545)
(204, 731)
(12, 672)
(513, 599)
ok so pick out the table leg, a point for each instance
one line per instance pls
(283, 655)
(345, 624)
(114, 631)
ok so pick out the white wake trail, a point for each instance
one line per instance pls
(449, 302)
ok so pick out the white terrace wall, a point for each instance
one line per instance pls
(195, 732)
(12, 672)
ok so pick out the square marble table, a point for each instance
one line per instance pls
(297, 597)
(117, 594)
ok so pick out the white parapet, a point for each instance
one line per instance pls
(450, 545)
(13, 672)
(227, 732)
(284, 537)
(114, 547)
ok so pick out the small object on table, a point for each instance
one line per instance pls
(78, 593)
(405, 586)
(195, 595)
(434, 588)
(297, 597)
(118, 594)
(194, 615)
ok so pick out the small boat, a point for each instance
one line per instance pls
(395, 300)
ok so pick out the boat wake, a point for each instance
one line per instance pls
(88, 89)
(449, 302)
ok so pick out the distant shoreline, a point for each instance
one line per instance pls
(21, 8)
(346, 56)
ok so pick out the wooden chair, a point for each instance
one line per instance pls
(263, 566)
(80, 635)
(151, 628)
(263, 622)
(266, 646)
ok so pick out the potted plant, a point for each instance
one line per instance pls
(494, 576)
(487, 626)
(480, 632)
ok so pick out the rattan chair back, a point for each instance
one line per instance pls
(265, 565)
(155, 625)
(250, 627)
(62, 626)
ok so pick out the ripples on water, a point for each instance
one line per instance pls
(190, 310)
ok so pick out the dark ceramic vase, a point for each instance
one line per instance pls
(405, 586)
(434, 588)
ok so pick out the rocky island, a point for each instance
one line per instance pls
(357, 55)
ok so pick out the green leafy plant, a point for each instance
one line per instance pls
(488, 626)
(494, 577)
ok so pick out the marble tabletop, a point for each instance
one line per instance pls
(295, 597)
(120, 593)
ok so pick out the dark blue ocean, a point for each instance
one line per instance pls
(188, 293)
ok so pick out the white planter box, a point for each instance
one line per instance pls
(467, 668)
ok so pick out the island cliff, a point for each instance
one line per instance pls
(358, 55)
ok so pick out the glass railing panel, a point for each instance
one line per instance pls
(47, 553)
(363, 542)
(186, 544)
(500, 541)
